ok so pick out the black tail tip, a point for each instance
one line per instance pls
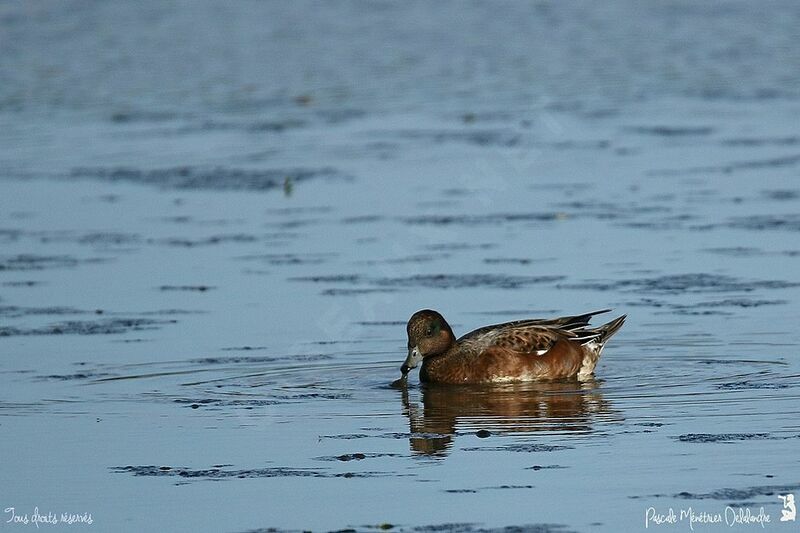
(612, 327)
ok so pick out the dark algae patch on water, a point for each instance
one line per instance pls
(731, 437)
(357, 456)
(432, 281)
(251, 473)
(112, 326)
(32, 262)
(523, 448)
(731, 494)
(166, 471)
(684, 283)
(722, 437)
(186, 288)
(217, 178)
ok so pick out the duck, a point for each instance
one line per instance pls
(520, 351)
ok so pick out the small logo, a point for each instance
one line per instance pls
(789, 511)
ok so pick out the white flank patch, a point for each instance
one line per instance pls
(590, 359)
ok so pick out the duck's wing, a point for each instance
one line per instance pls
(566, 323)
(533, 337)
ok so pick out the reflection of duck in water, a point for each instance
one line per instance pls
(788, 503)
(565, 406)
(525, 350)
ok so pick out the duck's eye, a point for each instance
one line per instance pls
(429, 331)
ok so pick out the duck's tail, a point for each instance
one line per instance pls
(593, 340)
(573, 323)
(608, 329)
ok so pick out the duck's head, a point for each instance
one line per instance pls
(428, 334)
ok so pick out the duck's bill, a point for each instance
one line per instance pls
(412, 361)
